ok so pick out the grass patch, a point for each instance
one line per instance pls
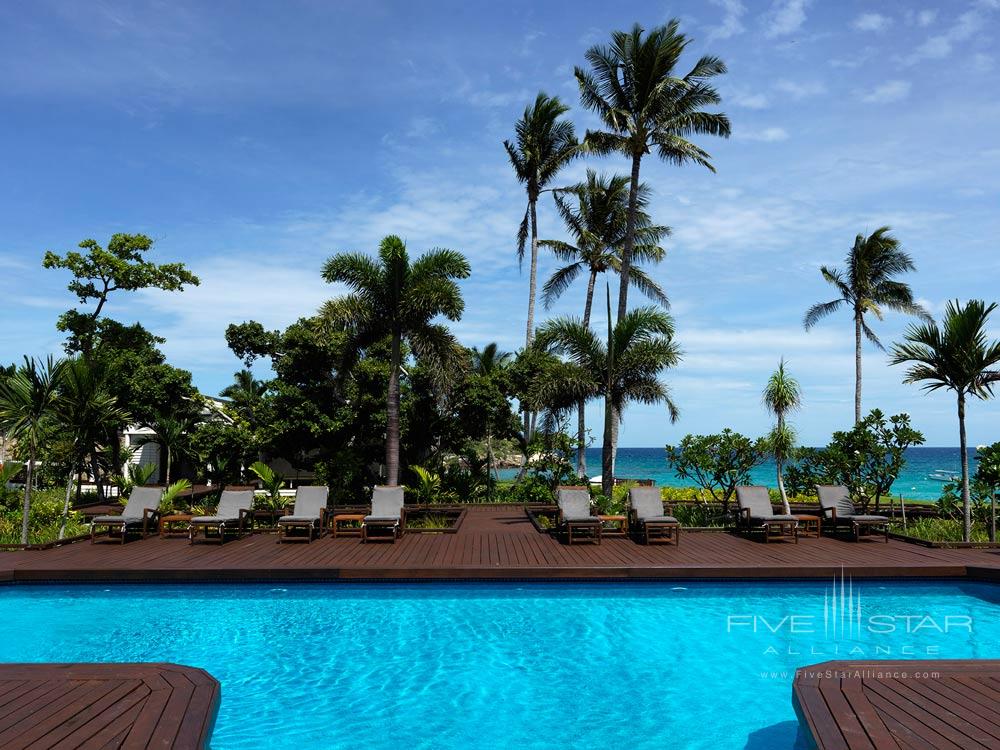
(44, 521)
(939, 530)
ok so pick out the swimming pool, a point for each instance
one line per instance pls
(691, 665)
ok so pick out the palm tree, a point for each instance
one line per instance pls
(172, 434)
(957, 356)
(392, 298)
(86, 414)
(27, 402)
(597, 225)
(543, 145)
(623, 368)
(490, 360)
(867, 285)
(782, 395)
(633, 87)
(245, 393)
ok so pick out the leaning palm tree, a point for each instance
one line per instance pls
(86, 414)
(782, 395)
(394, 299)
(27, 403)
(624, 368)
(597, 225)
(867, 285)
(634, 88)
(542, 146)
(957, 356)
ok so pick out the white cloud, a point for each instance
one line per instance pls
(748, 99)
(800, 89)
(765, 135)
(872, 22)
(926, 18)
(785, 17)
(940, 46)
(982, 63)
(731, 23)
(888, 92)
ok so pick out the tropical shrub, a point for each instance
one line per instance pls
(169, 501)
(528, 489)
(273, 483)
(717, 463)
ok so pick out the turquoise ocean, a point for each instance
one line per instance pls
(914, 481)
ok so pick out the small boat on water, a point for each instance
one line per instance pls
(942, 475)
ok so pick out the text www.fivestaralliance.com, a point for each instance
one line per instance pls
(852, 674)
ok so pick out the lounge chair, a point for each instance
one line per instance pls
(233, 515)
(648, 519)
(139, 515)
(839, 512)
(757, 514)
(308, 514)
(574, 514)
(388, 515)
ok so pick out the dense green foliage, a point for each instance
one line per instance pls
(717, 463)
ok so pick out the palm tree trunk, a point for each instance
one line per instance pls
(857, 367)
(26, 508)
(529, 336)
(966, 500)
(626, 270)
(581, 430)
(392, 416)
(608, 449)
(65, 511)
(166, 479)
(786, 508)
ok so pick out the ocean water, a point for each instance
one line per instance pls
(531, 666)
(913, 481)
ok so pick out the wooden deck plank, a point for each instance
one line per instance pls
(63, 706)
(493, 542)
(894, 708)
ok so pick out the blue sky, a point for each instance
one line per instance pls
(252, 140)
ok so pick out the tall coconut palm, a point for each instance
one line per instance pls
(543, 145)
(624, 368)
(634, 88)
(868, 285)
(782, 395)
(392, 298)
(957, 356)
(597, 224)
(86, 414)
(27, 404)
(245, 392)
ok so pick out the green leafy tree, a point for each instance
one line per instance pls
(543, 144)
(782, 395)
(988, 475)
(393, 299)
(717, 463)
(634, 88)
(623, 368)
(958, 356)
(27, 405)
(868, 284)
(597, 224)
(99, 271)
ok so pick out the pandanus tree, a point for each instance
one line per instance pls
(644, 104)
(27, 406)
(595, 214)
(782, 395)
(623, 368)
(868, 284)
(958, 356)
(392, 298)
(87, 414)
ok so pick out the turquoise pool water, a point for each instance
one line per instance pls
(689, 665)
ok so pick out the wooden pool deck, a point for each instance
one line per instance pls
(492, 543)
(105, 706)
(880, 705)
